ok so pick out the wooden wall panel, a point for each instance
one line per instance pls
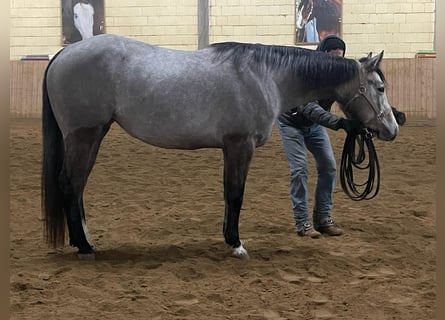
(411, 87)
(26, 88)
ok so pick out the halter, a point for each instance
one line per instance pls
(362, 93)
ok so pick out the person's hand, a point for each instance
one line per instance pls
(350, 126)
(400, 117)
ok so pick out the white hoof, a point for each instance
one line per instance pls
(240, 252)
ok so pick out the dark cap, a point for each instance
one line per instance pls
(331, 42)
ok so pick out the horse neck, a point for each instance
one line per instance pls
(295, 90)
(345, 91)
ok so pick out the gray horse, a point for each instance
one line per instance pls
(226, 96)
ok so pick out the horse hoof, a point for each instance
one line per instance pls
(86, 256)
(240, 252)
(86, 253)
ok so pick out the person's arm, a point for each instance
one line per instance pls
(316, 113)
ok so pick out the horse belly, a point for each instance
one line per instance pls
(194, 114)
(168, 127)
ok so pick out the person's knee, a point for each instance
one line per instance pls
(298, 174)
(328, 168)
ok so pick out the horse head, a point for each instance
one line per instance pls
(366, 99)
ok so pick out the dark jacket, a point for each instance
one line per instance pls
(316, 111)
(313, 112)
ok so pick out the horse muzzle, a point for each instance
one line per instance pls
(386, 134)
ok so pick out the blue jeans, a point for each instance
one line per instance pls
(296, 142)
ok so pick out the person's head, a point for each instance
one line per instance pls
(332, 45)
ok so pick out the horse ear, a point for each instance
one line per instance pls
(372, 63)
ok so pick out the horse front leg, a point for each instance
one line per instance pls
(238, 153)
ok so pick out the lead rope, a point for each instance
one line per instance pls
(351, 160)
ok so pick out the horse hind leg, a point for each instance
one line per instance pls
(81, 148)
(238, 154)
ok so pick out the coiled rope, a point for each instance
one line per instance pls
(351, 159)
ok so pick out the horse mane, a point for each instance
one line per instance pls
(317, 68)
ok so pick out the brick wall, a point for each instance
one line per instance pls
(34, 27)
(162, 22)
(400, 27)
(258, 21)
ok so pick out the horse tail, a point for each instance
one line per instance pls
(52, 196)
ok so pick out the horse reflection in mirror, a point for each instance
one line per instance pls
(225, 96)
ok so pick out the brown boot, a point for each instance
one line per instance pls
(329, 228)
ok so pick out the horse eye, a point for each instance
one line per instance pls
(381, 89)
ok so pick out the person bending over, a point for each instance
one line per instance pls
(303, 129)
